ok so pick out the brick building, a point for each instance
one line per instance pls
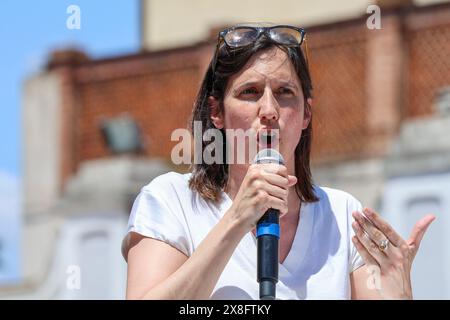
(371, 88)
(366, 84)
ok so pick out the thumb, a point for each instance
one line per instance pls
(292, 180)
(419, 230)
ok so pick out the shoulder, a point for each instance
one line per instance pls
(170, 188)
(158, 211)
(168, 181)
(336, 198)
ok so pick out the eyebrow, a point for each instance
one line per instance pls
(289, 84)
(247, 84)
(256, 83)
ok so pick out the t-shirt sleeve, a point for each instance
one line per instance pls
(153, 215)
(355, 259)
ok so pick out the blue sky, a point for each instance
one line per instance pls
(29, 30)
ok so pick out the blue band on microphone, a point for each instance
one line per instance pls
(272, 229)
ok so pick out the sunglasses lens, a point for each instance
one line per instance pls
(240, 37)
(287, 36)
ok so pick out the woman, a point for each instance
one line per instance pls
(192, 236)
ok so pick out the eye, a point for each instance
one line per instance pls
(249, 91)
(285, 91)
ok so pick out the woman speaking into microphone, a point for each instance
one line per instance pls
(193, 236)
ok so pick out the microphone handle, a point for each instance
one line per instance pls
(268, 234)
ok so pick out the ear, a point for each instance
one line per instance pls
(216, 114)
(307, 113)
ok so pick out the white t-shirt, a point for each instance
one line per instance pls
(318, 265)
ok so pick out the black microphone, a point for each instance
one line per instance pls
(268, 233)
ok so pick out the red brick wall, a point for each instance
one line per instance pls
(428, 36)
(337, 62)
(158, 89)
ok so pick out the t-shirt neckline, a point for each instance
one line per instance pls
(301, 240)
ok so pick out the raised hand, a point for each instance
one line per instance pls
(381, 246)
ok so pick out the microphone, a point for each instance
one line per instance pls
(268, 233)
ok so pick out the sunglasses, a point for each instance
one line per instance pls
(241, 36)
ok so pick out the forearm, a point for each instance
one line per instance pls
(197, 277)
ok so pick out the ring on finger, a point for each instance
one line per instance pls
(383, 244)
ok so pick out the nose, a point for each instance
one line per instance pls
(268, 110)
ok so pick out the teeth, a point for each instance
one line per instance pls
(268, 136)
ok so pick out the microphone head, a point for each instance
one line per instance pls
(269, 156)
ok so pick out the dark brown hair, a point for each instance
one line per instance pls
(210, 179)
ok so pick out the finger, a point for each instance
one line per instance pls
(276, 203)
(373, 232)
(370, 246)
(368, 259)
(419, 230)
(275, 168)
(292, 181)
(282, 214)
(265, 201)
(273, 190)
(384, 227)
(276, 179)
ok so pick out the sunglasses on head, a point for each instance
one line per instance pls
(241, 36)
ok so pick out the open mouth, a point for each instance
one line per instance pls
(268, 138)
